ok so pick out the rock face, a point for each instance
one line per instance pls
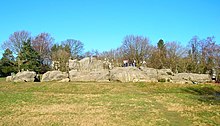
(86, 64)
(168, 76)
(91, 69)
(74, 65)
(25, 76)
(191, 78)
(96, 76)
(54, 76)
(128, 74)
(158, 74)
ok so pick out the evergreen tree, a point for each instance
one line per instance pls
(162, 54)
(28, 58)
(7, 63)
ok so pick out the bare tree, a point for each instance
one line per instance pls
(136, 48)
(175, 52)
(15, 40)
(208, 54)
(76, 47)
(42, 43)
(61, 54)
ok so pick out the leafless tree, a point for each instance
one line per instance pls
(14, 43)
(61, 55)
(76, 47)
(42, 43)
(136, 48)
(175, 51)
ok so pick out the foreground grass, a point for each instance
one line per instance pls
(78, 103)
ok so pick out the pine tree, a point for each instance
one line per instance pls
(7, 63)
(28, 58)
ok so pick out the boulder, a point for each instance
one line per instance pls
(25, 76)
(90, 64)
(150, 72)
(94, 76)
(128, 74)
(158, 74)
(64, 80)
(9, 79)
(191, 78)
(54, 76)
(74, 65)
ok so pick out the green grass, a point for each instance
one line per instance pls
(81, 103)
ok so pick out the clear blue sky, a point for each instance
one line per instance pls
(102, 24)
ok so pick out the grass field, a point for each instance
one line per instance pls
(101, 104)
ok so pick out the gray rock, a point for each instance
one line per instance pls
(25, 76)
(54, 76)
(158, 74)
(128, 74)
(94, 76)
(91, 64)
(74, 64)
(64, 80)
(87, 64)
(9, 79)
(191, 78)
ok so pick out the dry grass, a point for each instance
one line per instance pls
(111, 104)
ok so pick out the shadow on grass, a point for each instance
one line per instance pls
(206, 94)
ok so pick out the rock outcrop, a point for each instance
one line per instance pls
(9, 79)
(128, 74)
(94, 76)
(24, 76)
(86, 64)
(191, 78)
(166, 75)
(125, 74)
(158, 74)
(54, 76)
(64, 80)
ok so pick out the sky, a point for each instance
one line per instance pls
(102, 24)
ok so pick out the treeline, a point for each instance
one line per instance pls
(26, 52)
(199, 56)
(36, 53)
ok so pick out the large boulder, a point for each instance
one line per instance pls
(74, 64)
(94, 76)
(158, 74)
(191, 78)
(9, 79)
(24, 76)
(54, 76)
(128, 74)
(90, 64)
(86, 64)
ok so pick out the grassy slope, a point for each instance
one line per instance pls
(108, 104)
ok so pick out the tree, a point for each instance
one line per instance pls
(161, 50)
(208, 54)
(175, 52)
(194, 54)
(136, 48)
(15, 41)
(42, 43)
(158, 58)
(76, 47)
(7, 63)
(61, 54)
(28, 58)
